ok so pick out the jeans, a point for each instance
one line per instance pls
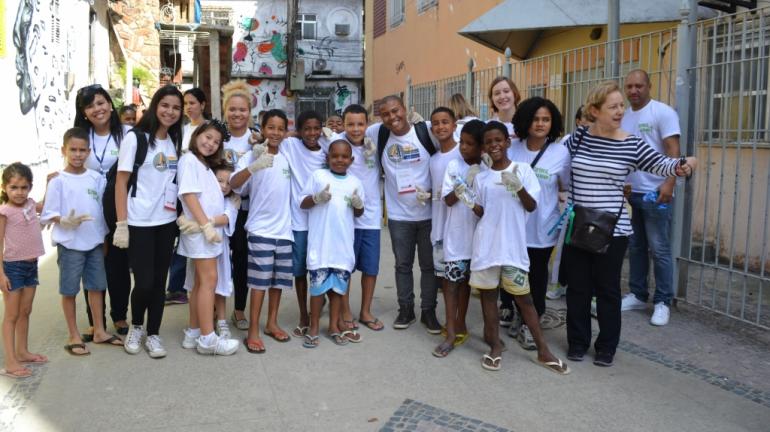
(404, 237)
(652, 229)
(589, 275)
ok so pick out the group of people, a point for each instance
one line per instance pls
(231, 208)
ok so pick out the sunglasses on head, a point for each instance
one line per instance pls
(89, 89)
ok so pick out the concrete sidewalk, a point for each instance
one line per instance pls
(697, 374)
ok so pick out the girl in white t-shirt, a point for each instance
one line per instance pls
(202, 233)
(505, 194)
(333, 199)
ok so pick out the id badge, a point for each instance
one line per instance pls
(405, 178)
(170, 197)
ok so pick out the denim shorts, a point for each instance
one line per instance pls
(75, 266)
(299, 254)
(21, 273)
(366, 246)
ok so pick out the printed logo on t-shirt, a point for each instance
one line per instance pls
(348, 201)
(370, 163)
(406, 153)
(92, 193)
(114, 152)
(645, 128)
(542, 173)
(160, 162)
(287, 173)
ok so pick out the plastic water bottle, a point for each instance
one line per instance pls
(653, 197)
(468, 197)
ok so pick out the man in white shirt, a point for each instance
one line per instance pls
(406, 164)
(651, 200)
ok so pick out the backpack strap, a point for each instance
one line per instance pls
(382, 139)
(141, 154)
(422, 134)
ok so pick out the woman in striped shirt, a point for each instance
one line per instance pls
(602, 156)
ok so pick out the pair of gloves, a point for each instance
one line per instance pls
(186, 226)
(325, 195)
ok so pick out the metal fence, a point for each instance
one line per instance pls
(723, 261)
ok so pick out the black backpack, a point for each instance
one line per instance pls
(420, 128)
(108, 198)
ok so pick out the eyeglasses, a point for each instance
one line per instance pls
(89, 88)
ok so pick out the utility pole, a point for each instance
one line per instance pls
(291, 39)
(612, 67)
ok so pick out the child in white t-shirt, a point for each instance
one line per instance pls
(264, 176)
(74, 205)
(459, 224)
(334, 198)
(201, 234)
(505, 194)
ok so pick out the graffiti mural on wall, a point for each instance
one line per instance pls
(266, 94)
(260, 47)
(344, 95)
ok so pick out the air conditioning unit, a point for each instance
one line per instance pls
(320, 65)
(342, 29)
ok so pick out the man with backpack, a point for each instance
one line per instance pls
(404, 151)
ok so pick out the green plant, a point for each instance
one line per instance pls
(143, 75)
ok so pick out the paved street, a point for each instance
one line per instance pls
(697, 374)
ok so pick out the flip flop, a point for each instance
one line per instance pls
(279, 336)
(375, 324)
(491, 365)
(338, 339)
(443, 350)
(260, 347)
(352, 336)
(87, 337)
(111, 341)
(39, 359)
(71, 349)
(310, 341)
(460, 338)
(19, 374)
(351, 324)
(558, 366)
(300, 331)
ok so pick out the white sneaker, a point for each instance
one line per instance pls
(593, 308)
(221, 347)
(154, 347)
(133, 342)
(190, 337)
(555, 292)
(525, 338)
(223, 330)
(513, 329)
(661, 314)
(630, 302)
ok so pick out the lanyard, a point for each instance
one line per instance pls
(100, 159)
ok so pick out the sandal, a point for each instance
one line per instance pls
(38, 359)
(375, 324)
(443, 350)
(460, 339)
(21, 373)
(491, 363)
(351, 324)
(310, 341)
(111, 341)
(279, 336)
(557, 366)
(259, 347)
(338, 339)
(352, 336)
(300, 331)
(72, 347)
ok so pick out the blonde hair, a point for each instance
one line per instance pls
(461, 107)
(596, 98)
(236, 88)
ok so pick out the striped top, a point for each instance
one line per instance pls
(600, 168)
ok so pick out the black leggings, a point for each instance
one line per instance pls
(149, 254)
(538, 280)
(240, 260)
(118, 284)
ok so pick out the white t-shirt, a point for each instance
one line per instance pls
(196, 178)
(82, 193)
(438, 165)
(508, 125)
(460, 123)
(330, 225)
(270, 192)
(460, 221)
(303, 163)
(368, 171)
(187, 131)
(104, 151)
(653, 123)
(236, 147)
(551, 169)
(406, 164)
(500, 238)
(156, 176)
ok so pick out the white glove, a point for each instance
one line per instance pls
(265, 160)
(258, 150)
(486, 159)
(356, 200)
(422, 196)
(459, 190)
(71, 221)
(210, 233)
(414, 117)
(511, 179)
(323, 196)
(473, 171)
(186, 226)
(120, 239)
(327, 132)
(369, 148)
(235, 200)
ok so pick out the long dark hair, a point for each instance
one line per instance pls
(149, 123)
(85, 97)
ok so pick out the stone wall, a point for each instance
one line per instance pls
(134, 24)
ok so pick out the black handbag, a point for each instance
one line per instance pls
(589, 229)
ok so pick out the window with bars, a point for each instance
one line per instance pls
(307, 24)
(396, 12)
(423, 5)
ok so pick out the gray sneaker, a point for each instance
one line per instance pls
(525, 338)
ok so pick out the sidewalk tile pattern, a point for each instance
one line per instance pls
(419, 417)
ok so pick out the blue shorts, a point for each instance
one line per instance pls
(269, 263)
(299, 254)
(75, 266)
(22, 274)
(366, 246)
(328, 279)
